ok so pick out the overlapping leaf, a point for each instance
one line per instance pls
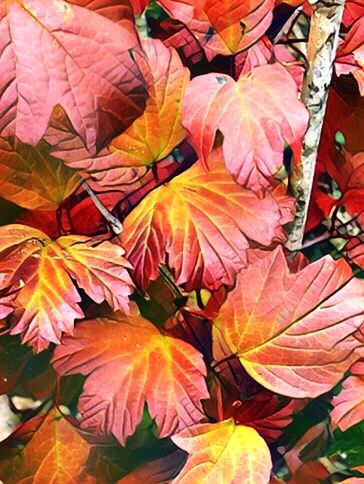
(150, 138)
(33, 179)
(262, 107)
(223, 452)
(62, 53)
(55, 453)
(349, 404)
(202, 223)
(292, 331)
(224, 27)
(136, 365)
(41, 273)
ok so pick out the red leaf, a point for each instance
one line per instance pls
(203, 222)
(262, 107)
(266, 413)
(136, 365)
(60, 53)
(306, 321)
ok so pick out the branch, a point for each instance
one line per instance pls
(112, 221)
(322, 44)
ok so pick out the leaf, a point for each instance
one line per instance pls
(349, 443)
(349, 404)
(266, 413)
(136, 365)
(224, 27)
(150, 138)
(32, 178)
(202, 223)
(306, 321)
(154, 135)
(262, 107)
(223, 452)
(349, 58)
(41, 272)
(55, 453)
(82, 63)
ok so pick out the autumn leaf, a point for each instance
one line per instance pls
(150, 138)
(137, 365)
(202, 223)
(60, 53)
(32, 178)
(267, 413)
(41, 273)
(55, 453)
(306, 320)
(223, 452)
(264, 111)
(349, 404)
(223, 27)
(350, 55)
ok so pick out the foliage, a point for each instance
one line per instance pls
(149, 309)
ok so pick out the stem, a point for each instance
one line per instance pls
(322, 44)
(112, 221)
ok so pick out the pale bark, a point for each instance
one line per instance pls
(322, 44)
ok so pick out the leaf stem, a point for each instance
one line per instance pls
(112, 221)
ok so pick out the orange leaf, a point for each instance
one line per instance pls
(136, 365)
(56, 453)
(204, 223)
(292, 331)
(223, 452)
(51, 448)
(256, 115)
(33, 179)
(40, 272)
(153, 135)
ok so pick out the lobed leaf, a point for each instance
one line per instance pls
(136, 365)
(292, 331)
(41, 274)
(256, 115)
(203, 224)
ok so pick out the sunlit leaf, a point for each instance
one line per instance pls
(223, 452)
